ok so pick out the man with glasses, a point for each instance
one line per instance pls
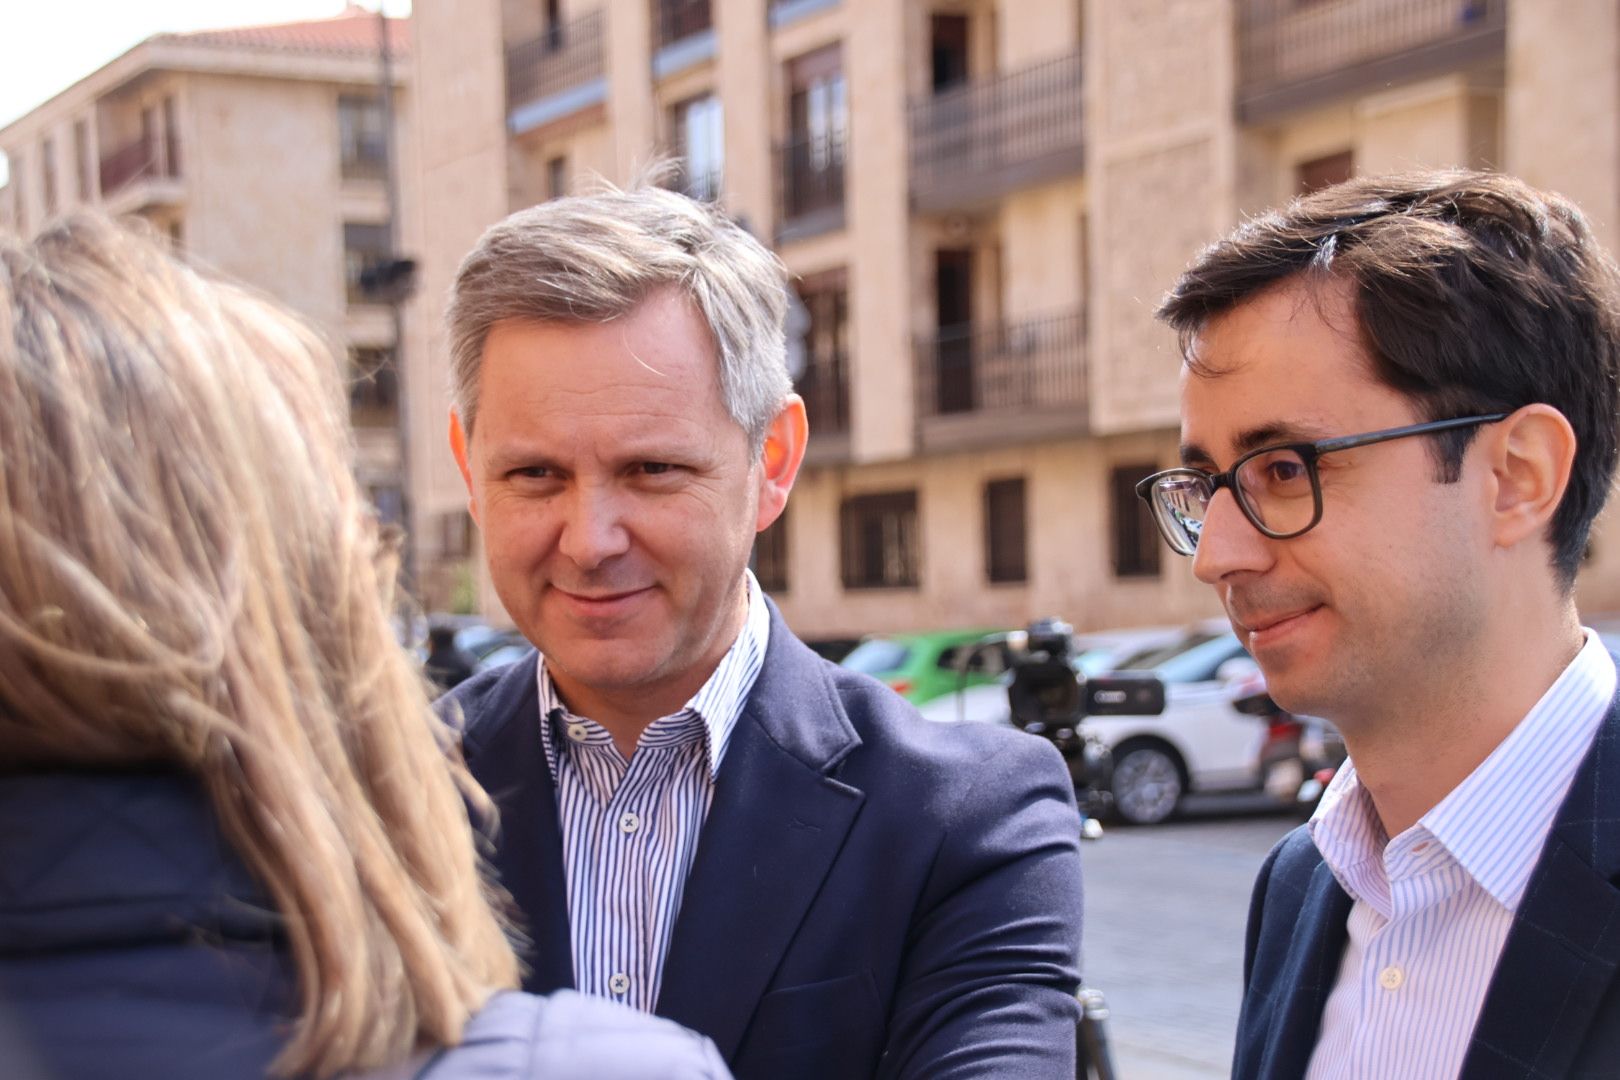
(1398, 424)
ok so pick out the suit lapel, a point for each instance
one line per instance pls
(775, 827)
(1311, 968)
(1564, 949)
(503, 750)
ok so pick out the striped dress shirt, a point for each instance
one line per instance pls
(630, 827)
(1431, 909)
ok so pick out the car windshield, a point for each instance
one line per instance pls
(1196, 661)
(1154, 655)
(877, 655)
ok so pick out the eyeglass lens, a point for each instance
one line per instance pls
(1274, 487)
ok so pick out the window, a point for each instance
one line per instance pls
(770, 558)
(1136, 538)
(47, 171)
(818, 121)
(823, 383)
(699, 128)
(948, 53)
(556, 177)
(19, 201)
(455, 535)
(171, 137)
(680, 19)
(362, 138)
(373, 388)
(878, 543)
(81, 160)
(1005, 531)
(1324, 172)
(364, 247)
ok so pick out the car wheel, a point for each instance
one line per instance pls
(1147, 784)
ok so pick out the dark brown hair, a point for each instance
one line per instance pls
(1473, 293)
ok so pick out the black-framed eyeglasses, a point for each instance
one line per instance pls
(1276, 487)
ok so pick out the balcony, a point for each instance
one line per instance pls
(556, 74)
(683, 35)
(810, 180)
(973, 144)
(979, 385)
(142, 173)
(1294, 56)
(824, 385)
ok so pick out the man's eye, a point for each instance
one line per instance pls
(532, 472)
(656, 468)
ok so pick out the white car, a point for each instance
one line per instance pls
(1199, 743)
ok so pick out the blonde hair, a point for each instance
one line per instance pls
(190, 575)
(595, 257)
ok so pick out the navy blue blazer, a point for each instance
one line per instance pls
(872, 894)
(1552, 1009)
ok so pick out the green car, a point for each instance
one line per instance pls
(921, 667)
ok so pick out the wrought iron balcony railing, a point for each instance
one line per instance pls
(564, 56)
(142, 159)
(677, 20)
(1293, 55)
(982, 140)
(824, 385)
(1007, 367)
(810, 169)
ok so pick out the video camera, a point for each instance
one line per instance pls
(1049, 698)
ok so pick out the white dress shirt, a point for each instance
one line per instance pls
(630, 827)
(1432, 907)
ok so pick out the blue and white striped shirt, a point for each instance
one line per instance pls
(630, 828)
(1432, 908)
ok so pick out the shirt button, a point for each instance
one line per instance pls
(629, 823)
(1391, 978)
(619, 983)
(576, 731)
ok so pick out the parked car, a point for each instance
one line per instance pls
(921, 667)
(1199, 743)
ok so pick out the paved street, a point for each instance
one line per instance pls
(1165, 910)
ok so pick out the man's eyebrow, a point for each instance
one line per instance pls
(502, 458)
(1253, 439)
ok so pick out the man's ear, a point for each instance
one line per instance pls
(1532, 453)
(780, 459)
(458, 447)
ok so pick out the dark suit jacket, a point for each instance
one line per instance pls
(1553, 1005)
(872, 895)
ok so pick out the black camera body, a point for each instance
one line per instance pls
(1049, 698)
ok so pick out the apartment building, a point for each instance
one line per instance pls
(981, 202)
(261, 152)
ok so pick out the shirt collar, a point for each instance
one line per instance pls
(1496, 840)
(719, 701)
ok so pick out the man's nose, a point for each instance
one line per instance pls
(1229, 542)
(593, 529)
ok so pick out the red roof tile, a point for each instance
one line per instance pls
(353, 32)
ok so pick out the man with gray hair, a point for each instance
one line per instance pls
(698, 816)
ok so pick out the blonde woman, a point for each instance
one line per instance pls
(230, 842)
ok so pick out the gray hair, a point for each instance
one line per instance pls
(594, 257)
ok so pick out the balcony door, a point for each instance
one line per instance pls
(953, 355)
(700, 141)
(818, 122)
(949, 51)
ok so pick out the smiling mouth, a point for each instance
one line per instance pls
(602, 598)
(1271, 622)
